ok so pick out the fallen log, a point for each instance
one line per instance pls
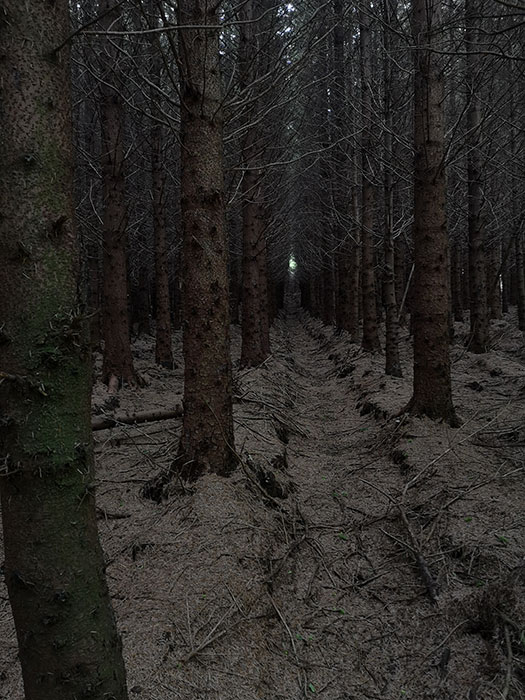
(104, 422)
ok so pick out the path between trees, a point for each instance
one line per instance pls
(298, 576)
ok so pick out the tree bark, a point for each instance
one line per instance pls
(479, 322)
(432, 391)
(118, 362)
(392, 361)
(520, 281)
(207, 435)
(370, 340)
(54, 566)
(255, 343)
(456, 281)
(163, 353)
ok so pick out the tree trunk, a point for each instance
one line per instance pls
(140, 304)
(520, 281)
(93, 294)
(432, 393)
(479, 325)
(401, 257)
(370, 340)
(264, 298)
(235, 288)
(392, 361)
(456, 282)
(255, 329)
(342, 241)
(163, 353)
(54, 566)
(207, 434)
(118, 362)
(493, 276)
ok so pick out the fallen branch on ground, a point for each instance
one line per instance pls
(104, 422)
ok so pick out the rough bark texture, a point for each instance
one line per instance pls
(54, 567)
(207, 435)
(370, 339)
(479, 323)
(118, 362)
(432, 386)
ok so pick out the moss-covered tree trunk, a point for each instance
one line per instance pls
(54, 567)
(207, 434)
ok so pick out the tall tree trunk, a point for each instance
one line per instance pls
(54, 566)
(264, 297)
(141, 303)
(479, 322)
(342, 241)
(118, 362)
(235, 287)
(392, 361)
(370, 339)
(520, 281)
(207, 432)
(93, 293)
(456, 283)
(401, 253)
(493, 276)
(432, 395)
(163, 353)
(254, 327)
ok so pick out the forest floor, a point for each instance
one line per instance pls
(356, 554)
